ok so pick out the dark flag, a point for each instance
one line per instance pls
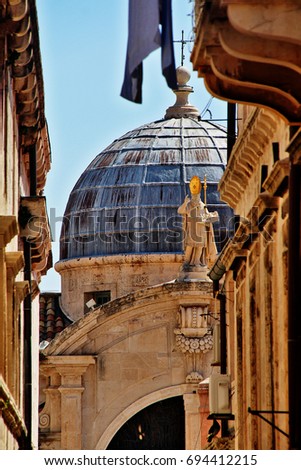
(144, 36)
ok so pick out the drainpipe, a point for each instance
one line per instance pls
(27, 347)
(28, 309)
(231, 127)
(223, 348)
(33, 170)
(294, 318)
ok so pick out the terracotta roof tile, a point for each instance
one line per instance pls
(52, 318)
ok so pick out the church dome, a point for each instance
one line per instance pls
(126, 200)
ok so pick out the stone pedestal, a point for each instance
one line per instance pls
(194, 273)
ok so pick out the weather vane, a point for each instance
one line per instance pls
(183, 43)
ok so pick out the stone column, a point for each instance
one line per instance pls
(203, 392)
(50, 416)
(192, 421)
(61, 419)
(71, 370)
(14, 264)
(3, 309)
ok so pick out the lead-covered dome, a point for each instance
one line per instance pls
(126, 200)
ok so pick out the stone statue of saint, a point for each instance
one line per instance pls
(199, 244)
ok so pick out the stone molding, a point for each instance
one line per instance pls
(246, 153)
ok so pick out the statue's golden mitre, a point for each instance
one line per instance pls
(195, 185)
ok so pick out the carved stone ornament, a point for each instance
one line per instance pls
(194, 332)
(44, 421)
(194, 345)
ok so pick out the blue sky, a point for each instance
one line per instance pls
(83, 48)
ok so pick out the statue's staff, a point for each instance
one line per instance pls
(205, 190)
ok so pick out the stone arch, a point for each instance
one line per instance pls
(137, 406)
(136, 363)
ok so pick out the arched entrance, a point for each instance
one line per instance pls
(160, 426)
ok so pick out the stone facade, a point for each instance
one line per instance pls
(256, 282)
(243, 50)
(25, 248)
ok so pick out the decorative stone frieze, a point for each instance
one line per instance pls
(193, 320)
(194, 345)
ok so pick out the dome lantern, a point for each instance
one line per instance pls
(182, 107)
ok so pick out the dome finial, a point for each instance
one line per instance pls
(182, 107)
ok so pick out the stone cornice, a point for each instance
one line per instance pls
(91, 261)
(20, 25)
(237, 248)
(233, 41)
(246, 153)
(70, 362)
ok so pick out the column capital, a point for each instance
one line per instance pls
(69, 361)
(67, 389)
(14, 261)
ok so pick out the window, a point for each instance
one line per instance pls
(99, 297)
